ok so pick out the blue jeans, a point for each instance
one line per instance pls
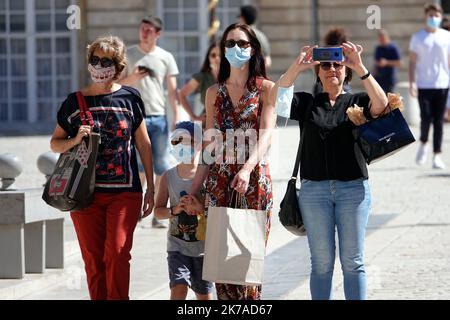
(158, 132)
(345, 205)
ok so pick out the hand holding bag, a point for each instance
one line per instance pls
(383, 136)
(71, 185)
(235, 245)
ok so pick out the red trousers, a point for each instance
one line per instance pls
(105, 234)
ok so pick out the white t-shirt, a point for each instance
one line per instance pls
(433, 54)
(151, 88)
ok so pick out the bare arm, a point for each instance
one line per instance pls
(145, 151)
(268, 62)
(203, 169)
(59, 142)
(143, 145)
(376, 94)
(161, 209)
(188, 89)
(382, 63)
(412, 73)
(268, 119)
(302, 62)
(132, 78)
(171, 82)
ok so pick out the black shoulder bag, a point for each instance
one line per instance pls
(290, 215)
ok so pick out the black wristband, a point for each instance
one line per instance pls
(364, 77)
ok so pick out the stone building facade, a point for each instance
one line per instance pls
(41, 60)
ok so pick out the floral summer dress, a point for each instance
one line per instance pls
(245, 115)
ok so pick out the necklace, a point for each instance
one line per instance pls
(99, 124)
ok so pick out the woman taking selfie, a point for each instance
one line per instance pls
(334, 181)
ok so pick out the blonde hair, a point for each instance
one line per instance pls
(110, 44)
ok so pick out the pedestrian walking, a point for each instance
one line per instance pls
(239, 103)
(185, 238)
(334, 191)
(387, 61)
(149, 68)
(105, 228)
(429, 78)
(200, 82)
(446, 25)
(249, 15)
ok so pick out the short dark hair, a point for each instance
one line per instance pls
(335, 37)
(446, 23)
(432, 6)
(154, 21)
(249, 14)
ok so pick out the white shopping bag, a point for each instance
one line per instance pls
(235, 246)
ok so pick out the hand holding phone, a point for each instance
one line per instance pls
(144, 69)
(328, 54)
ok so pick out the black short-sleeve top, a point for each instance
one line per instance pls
(329, 150)
(116, 117)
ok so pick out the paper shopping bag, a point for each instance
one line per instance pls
(235, 246)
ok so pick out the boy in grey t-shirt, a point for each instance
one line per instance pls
(185, 238)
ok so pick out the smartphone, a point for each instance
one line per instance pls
(150, 72)
(328, 54)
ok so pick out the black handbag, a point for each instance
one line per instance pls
(290, 215)
(383, 136)
(71, 185)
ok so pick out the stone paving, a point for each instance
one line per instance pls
(407, 242)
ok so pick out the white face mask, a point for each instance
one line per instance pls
(100, 74)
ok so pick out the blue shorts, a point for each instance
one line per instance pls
(187, 271)
(158, 132)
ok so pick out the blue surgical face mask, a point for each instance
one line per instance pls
(237, 57)
(183, 153)
(434, 22)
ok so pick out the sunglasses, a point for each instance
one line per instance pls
(104, 62)
(178, 140)
(241, 43)
(327, 66)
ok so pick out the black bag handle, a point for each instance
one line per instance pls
(300, 145)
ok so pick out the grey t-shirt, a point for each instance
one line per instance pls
(265, 45)
(151, 88)
(183, 229)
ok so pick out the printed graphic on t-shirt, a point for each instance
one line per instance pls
(186, 228)
(113, 166)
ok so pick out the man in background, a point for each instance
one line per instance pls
(249, 15)
(149, 68)
(429, 78)
(387, 60)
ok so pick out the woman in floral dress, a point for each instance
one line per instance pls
(240, 101)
